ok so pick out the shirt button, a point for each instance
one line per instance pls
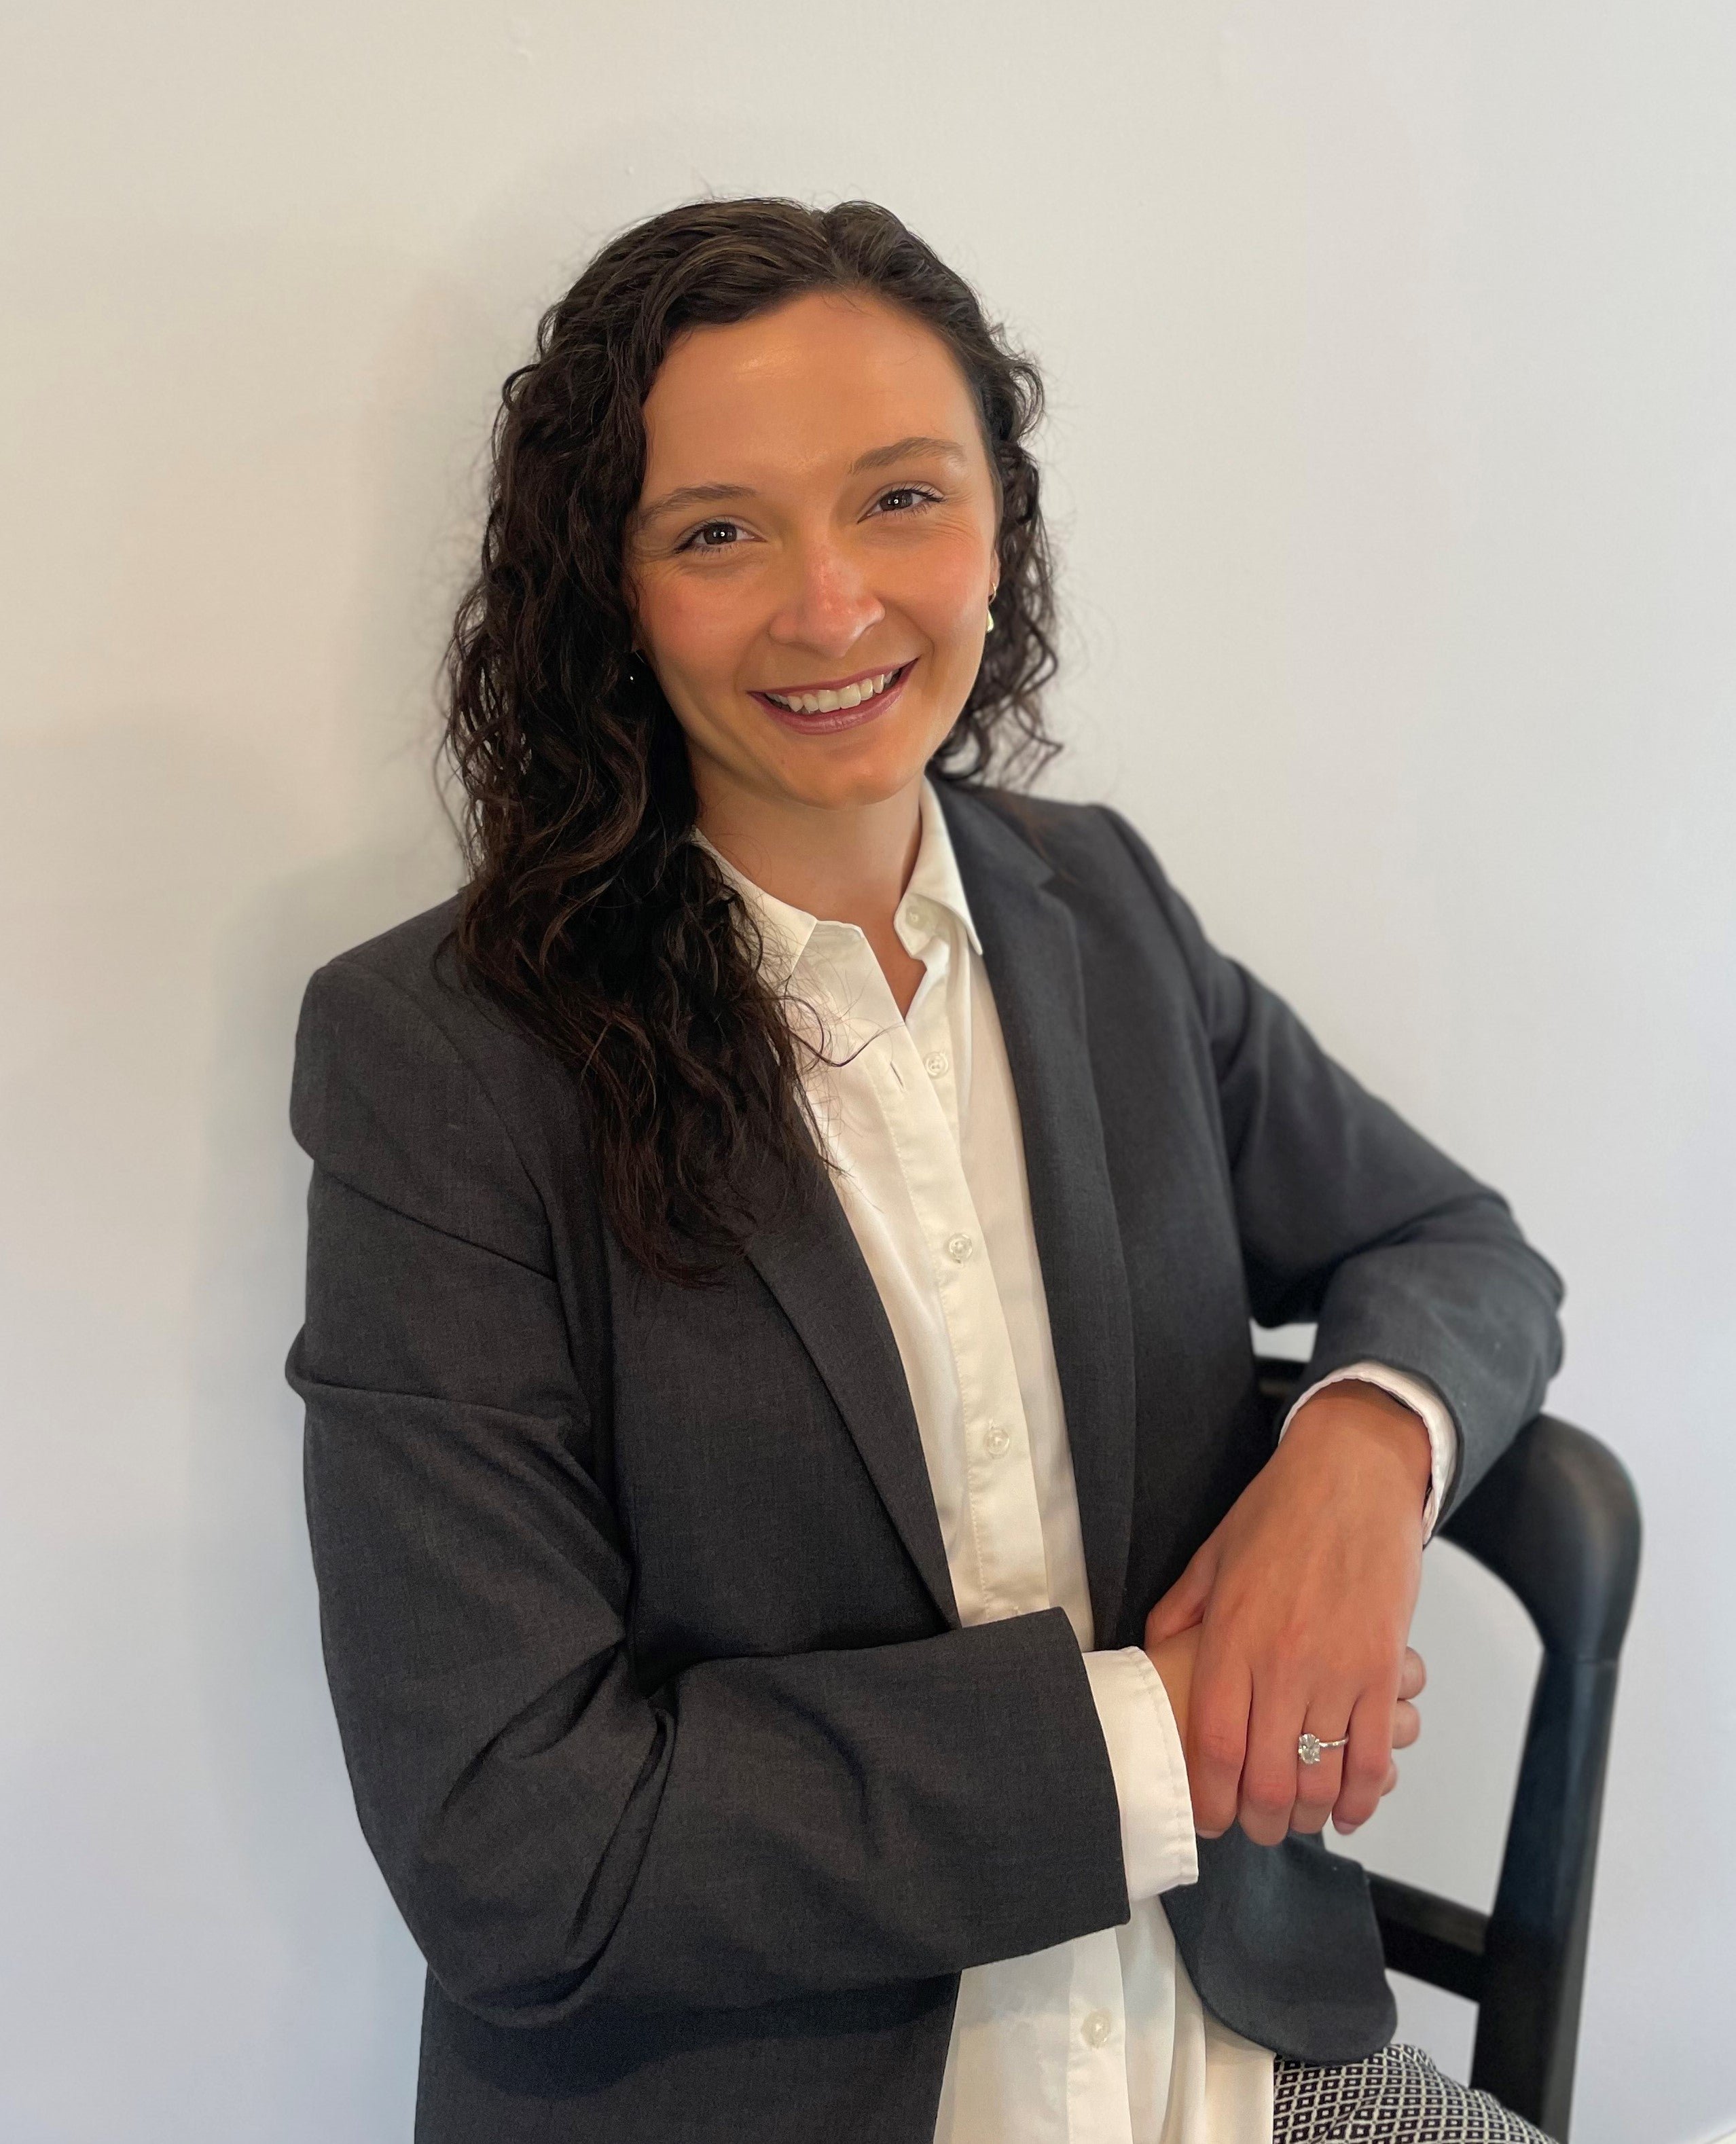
(959, 1248)
(935, 1063)
(997, 1441)
(1097, 2029)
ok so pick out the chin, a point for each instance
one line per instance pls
(860, 766)
(846, 782)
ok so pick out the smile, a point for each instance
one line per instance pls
(858, 696)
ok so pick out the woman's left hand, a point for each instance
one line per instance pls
(1303, 1594)
(1173, 1659)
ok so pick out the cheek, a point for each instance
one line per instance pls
(694, 632)
(947, 595)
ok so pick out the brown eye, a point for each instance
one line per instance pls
(715, 536)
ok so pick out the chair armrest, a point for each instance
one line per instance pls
(1431, 1938)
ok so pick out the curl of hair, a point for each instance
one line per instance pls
(590, 917)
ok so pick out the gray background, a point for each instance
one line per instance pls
(1394, 458)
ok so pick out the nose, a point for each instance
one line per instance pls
(827, 603)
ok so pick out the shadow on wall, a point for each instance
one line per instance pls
(348, 1976)
(350, 1968)
(194, 1875)
(226, 781)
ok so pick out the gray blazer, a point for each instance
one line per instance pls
(660, 1718)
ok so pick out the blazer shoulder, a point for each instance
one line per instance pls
(411, 1088)
(1090, 848)
(414, 971)
(398, 1010)
(414, 958)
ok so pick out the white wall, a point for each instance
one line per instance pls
(1393, 452)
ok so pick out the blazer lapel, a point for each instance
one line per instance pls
(1031, 951)
(810, 1261)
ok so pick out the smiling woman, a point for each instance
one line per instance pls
(772, 455)
(860, 536)
(879, 555)
(823, 1641)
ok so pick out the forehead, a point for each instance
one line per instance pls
(815, 383)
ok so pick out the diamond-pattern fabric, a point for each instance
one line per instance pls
(1396, 2096)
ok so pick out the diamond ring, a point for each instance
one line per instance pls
(1309, 1747)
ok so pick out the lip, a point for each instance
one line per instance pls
(840, 719)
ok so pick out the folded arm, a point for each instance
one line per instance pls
(1350, 1220)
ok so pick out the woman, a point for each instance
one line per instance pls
(824, 1643)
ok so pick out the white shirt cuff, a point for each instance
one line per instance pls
(1151, 1772)
(1422, 1400)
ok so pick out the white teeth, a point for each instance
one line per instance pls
(832, 703)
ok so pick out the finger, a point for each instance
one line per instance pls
(1270, 1783)
(1366, 1760)
(1392, 1779)
(1184, 1605)
(1218, 1713)
(1412, 1675)
(1407, 1725)
(1318, 1785)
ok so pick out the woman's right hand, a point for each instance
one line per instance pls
(1173, 1659)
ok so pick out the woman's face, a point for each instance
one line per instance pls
(811, 564)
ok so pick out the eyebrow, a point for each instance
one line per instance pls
(692, 494)
(917, 443)
(715, 494)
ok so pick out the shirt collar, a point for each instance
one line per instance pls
(785, 929)
(936, 877)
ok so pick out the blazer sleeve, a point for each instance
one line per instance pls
(557, 1838)
(1350, 1220)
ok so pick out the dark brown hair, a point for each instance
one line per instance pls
(590, 915)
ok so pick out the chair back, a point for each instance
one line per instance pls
(1556, 1519)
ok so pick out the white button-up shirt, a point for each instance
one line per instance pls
(1102, 2040)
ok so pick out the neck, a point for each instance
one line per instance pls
(844, 863)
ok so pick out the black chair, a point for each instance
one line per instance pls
(1557, 1520)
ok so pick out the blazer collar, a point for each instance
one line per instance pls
(1031, 949)
(810, 1261)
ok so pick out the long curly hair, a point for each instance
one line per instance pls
(589, 916)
